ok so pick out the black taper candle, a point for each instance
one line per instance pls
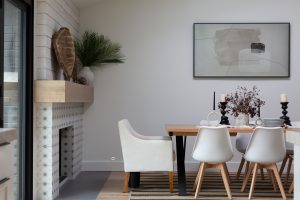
(214, 106)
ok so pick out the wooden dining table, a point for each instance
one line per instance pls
(181, 131)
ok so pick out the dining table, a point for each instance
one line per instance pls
(182, 131)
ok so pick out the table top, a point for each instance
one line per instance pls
(192, 130)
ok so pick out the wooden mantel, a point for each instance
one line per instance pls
(60, 91)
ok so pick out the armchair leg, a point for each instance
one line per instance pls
(171, 185)
(125, 185)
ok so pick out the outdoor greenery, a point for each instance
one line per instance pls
(94, 49)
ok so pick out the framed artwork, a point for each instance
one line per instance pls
(236, 50)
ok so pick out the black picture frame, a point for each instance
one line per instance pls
(257, 54)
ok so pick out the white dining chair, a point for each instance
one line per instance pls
(288, 159)
(241, 143)
(145, 153)
(213, 149)
(265, 149)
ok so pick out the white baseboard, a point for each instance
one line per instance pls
(118, 166)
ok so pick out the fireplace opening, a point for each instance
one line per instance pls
(65, 152)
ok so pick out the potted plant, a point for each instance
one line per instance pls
(244, 103)
(93, 49)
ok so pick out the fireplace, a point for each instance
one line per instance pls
(59, 150)
(66, 136)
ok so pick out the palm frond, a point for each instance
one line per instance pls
(93, 49)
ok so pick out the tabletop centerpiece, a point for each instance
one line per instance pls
(244, 103)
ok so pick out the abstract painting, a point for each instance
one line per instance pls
(228, 50)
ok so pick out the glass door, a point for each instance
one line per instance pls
(16, 90)
(13, 80)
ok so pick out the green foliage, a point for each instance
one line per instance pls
(93, 49)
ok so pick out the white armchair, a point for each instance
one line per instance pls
(145, 153)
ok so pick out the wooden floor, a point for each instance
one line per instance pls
(155, 186)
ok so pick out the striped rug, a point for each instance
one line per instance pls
(154, 186)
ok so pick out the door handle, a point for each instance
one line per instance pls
(4, 144)
(4, 181)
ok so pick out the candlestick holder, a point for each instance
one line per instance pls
(284, 106)
(224, 119)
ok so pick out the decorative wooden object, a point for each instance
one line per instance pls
(60, 91)
(65, 52)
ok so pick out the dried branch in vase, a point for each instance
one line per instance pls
(244, 101)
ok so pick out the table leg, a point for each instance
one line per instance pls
(180, 151)
(134, 180)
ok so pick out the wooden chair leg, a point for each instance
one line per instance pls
(247, 177)
(262, 174)
(291, 187)
(238, 174)
(171, 185)
(283, 165)
(253, 180)
(247, 167)
(225, 179)
(227, 172)
(125, 185)
(290, 160)
(200, 178)
(277, 176)
(271, 175)
(197, 178)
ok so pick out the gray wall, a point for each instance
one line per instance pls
(155, 86)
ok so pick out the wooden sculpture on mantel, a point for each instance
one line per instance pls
(63, 45)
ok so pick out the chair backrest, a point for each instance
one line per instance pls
(128, 137)
(213, 145)
(267, 145)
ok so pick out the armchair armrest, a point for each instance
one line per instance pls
(149, 155)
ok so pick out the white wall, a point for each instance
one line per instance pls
(155, 86)
(50, 16)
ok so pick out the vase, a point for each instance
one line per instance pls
(88, 75)
(242, 120)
